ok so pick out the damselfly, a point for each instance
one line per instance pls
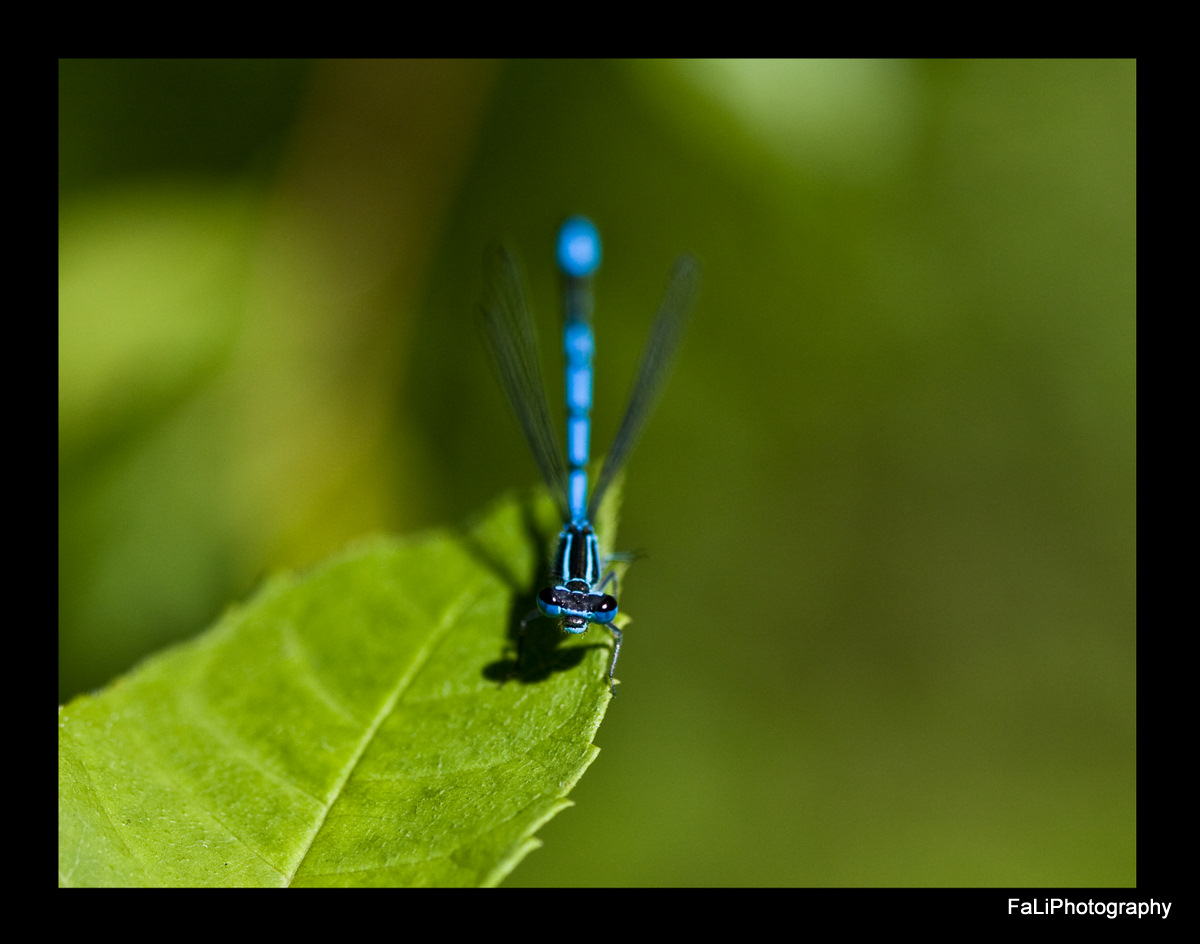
(577, 595)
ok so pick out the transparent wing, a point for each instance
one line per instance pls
(665, 333)
(512, 342)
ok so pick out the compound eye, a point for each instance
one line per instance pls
(548, 596)
(607, 604)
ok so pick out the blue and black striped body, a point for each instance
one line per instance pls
(576, 596)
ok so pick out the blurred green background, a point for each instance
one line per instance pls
(885, 634)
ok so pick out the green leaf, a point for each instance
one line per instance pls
(354, 725)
